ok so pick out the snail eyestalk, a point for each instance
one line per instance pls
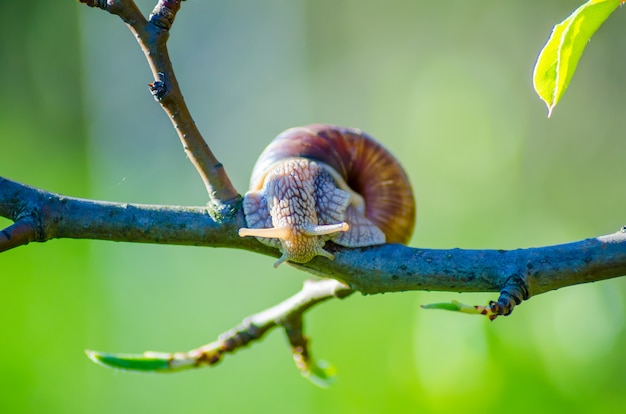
(299, 244)
(322, 230)
(285, 232)
(271, 233)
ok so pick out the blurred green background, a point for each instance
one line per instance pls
(445, 85)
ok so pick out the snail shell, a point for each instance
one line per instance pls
(321, 182)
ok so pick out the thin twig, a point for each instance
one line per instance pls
(152, 35)
(287, 314)
(19, 233)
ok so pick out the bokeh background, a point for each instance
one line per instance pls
(445, 85)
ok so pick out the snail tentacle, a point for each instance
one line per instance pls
(325, 229)
(267, 233)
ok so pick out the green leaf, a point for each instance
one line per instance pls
(558, 59)
(449, 306)
(321, 374)
(149, 362)
(456, 306)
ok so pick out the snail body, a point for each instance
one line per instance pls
(320, 182)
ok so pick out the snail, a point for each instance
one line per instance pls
(320, 182)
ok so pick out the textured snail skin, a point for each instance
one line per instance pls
(321, 182)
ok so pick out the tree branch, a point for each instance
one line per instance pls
(517, 274)
(375, 269)
(152, 35)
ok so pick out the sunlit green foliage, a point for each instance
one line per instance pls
(558, 59)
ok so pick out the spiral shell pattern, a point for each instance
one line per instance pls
(365, 165)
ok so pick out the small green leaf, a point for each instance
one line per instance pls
(321, 374)
(456, 306)
(449, 306)
(135, 362)
(558, 59)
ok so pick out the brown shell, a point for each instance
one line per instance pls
(368, 168)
